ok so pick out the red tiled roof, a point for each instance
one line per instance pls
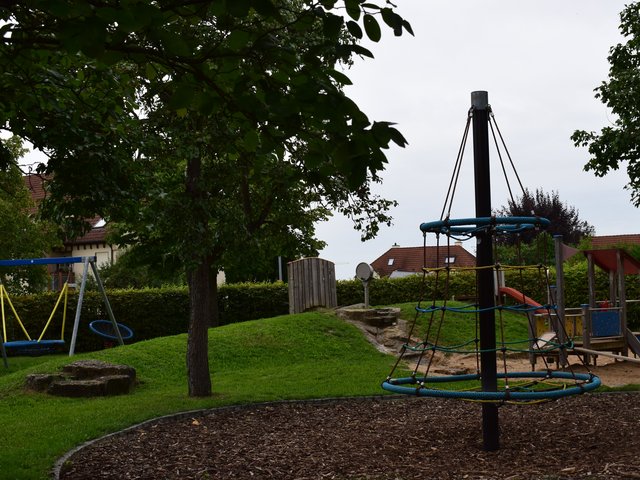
(35, 185)
(604, 241)
(95, 235)
(412, 259)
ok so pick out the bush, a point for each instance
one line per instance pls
(149, 312)
(157, 312)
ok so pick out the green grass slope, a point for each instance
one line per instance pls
(291, 357)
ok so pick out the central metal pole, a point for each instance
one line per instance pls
(484, 258)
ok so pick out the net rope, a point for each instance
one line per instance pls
(425, 340)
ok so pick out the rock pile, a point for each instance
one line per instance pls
(85, 378)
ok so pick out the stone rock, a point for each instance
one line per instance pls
(77, 388)
(40, 382)
(96, 368)
(85, 378)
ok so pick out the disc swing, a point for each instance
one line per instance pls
(42, 345)
(486, 385)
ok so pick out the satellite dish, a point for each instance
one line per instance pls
(364, 272)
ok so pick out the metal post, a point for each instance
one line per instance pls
(105, 299)
(484, 258)
(76, 321)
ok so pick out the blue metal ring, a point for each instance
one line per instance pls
(591, 383)
(471, 225)
(125, 331)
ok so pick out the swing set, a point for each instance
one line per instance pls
(40, 346)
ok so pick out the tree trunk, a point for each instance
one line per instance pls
(200, 303)
(199, 279)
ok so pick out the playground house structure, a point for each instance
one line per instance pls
(598, 327)
(40, 344)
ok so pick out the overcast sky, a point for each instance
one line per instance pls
(539, 62)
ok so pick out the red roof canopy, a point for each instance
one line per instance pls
(607, 260)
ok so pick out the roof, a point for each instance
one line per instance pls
(603, 241)
(607, 260)
(403, 260)
(35, 184)
(97, 234)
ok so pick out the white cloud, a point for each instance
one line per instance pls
(539, 61)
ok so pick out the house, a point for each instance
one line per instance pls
(612, 241)
(93, 243)
(403, 261)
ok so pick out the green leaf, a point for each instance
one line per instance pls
(340, 77)
(173, 43)
(359, 50)
(265, 8)
(182, 96)
(238, 8)
(372, 28)
(251, 141)
(150, 71)
(354, 29)
(238, 39)
(332, 25)
(398, 138)
(353, 9)
(391, 18)
(407, 27)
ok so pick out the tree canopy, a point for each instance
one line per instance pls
(564, 218)
(619, 143)
(204, 129)
(24, 235)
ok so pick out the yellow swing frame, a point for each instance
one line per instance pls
(4, 295)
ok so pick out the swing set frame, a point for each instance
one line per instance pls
(40, 342)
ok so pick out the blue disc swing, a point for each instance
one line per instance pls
(487, 385)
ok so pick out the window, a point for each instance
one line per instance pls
(450, 260)
(390, 262)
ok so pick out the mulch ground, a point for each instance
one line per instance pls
(591, 436)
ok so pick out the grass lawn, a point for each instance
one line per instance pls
(459, 328)
(312, 355)
(291, 357)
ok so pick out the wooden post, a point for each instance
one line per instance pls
(622, 296)
(484, 258)
(560, 322)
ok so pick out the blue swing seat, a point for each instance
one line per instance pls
(33, 347)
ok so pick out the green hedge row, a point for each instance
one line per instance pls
(161, 312)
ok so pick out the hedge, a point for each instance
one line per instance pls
(165, 311)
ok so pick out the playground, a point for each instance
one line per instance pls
(585, 436)
(580, 435)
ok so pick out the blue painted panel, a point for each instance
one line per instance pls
(605, 323)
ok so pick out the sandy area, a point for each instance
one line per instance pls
(612, 372)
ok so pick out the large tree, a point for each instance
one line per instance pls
(201, 126)
(619, 143)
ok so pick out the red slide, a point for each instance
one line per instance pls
(521, 297)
